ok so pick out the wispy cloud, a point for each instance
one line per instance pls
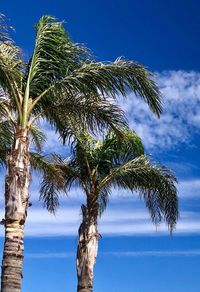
(143, 253)
(181, 116)
(114, 222)
(60, 255)
(190, 188)
(125, 215)
(153, 253)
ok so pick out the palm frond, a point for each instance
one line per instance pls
(119, 77)
(54, 55)
(52, 180)
(111, 79)
(116, 150)
(6, 133)
(91, 115)
(4, 28)
(10, 69)
(53, 183)
(155, 184)
(103, 199)
(49, 194)
(38, 137)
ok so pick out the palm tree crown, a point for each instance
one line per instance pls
(117, 162)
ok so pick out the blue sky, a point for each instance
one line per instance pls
(133, 255)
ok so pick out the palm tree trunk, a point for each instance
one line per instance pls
(87, 250)
(16, 204)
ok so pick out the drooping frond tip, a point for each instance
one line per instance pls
(156, 185)
(4, 28)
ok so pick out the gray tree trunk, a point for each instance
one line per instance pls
(87, 251)
(16, 204)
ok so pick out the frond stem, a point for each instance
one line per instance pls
(34, 119)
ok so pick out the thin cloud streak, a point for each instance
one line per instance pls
(146, 253)
(153, 253)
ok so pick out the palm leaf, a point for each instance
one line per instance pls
(155, 184)
(54, 55)
(57, 181)
(38, 137)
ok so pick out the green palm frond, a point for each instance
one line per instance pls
(118, 77)
(60, 180)
(52, 180)
(54, 55)
(110, 79)
(121, 148)
(4, 28)
(10, 74)
(155, 184)
(38, 137)
(10, 58)
(50, 194)
(103, 199)
(6, 134)
(82, 112)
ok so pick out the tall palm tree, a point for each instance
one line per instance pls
(63, 84)
(99, 166)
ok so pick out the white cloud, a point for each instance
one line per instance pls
(189, 188)
(60, 255)
(142, 253)
(181, 116)
(114, 222)
(126, 215)
(153, 253)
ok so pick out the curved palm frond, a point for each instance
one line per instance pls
(38, 137)
(54, 55)
(94, 116)
(4, 28)
(155, 184)
(103, 199)
(117, 77)
(122, 147)
(111, 79)
(52, 181)
(6, 134)
(60, 180)
(10, 74)
(11, 66)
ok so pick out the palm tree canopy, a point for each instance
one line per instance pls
(120, 162)
(63, 75)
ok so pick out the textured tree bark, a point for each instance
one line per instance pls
(87, 250)
(16, 204)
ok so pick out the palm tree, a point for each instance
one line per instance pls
(63, 84)
(99, 166)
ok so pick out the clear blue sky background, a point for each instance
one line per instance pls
(133, 257)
